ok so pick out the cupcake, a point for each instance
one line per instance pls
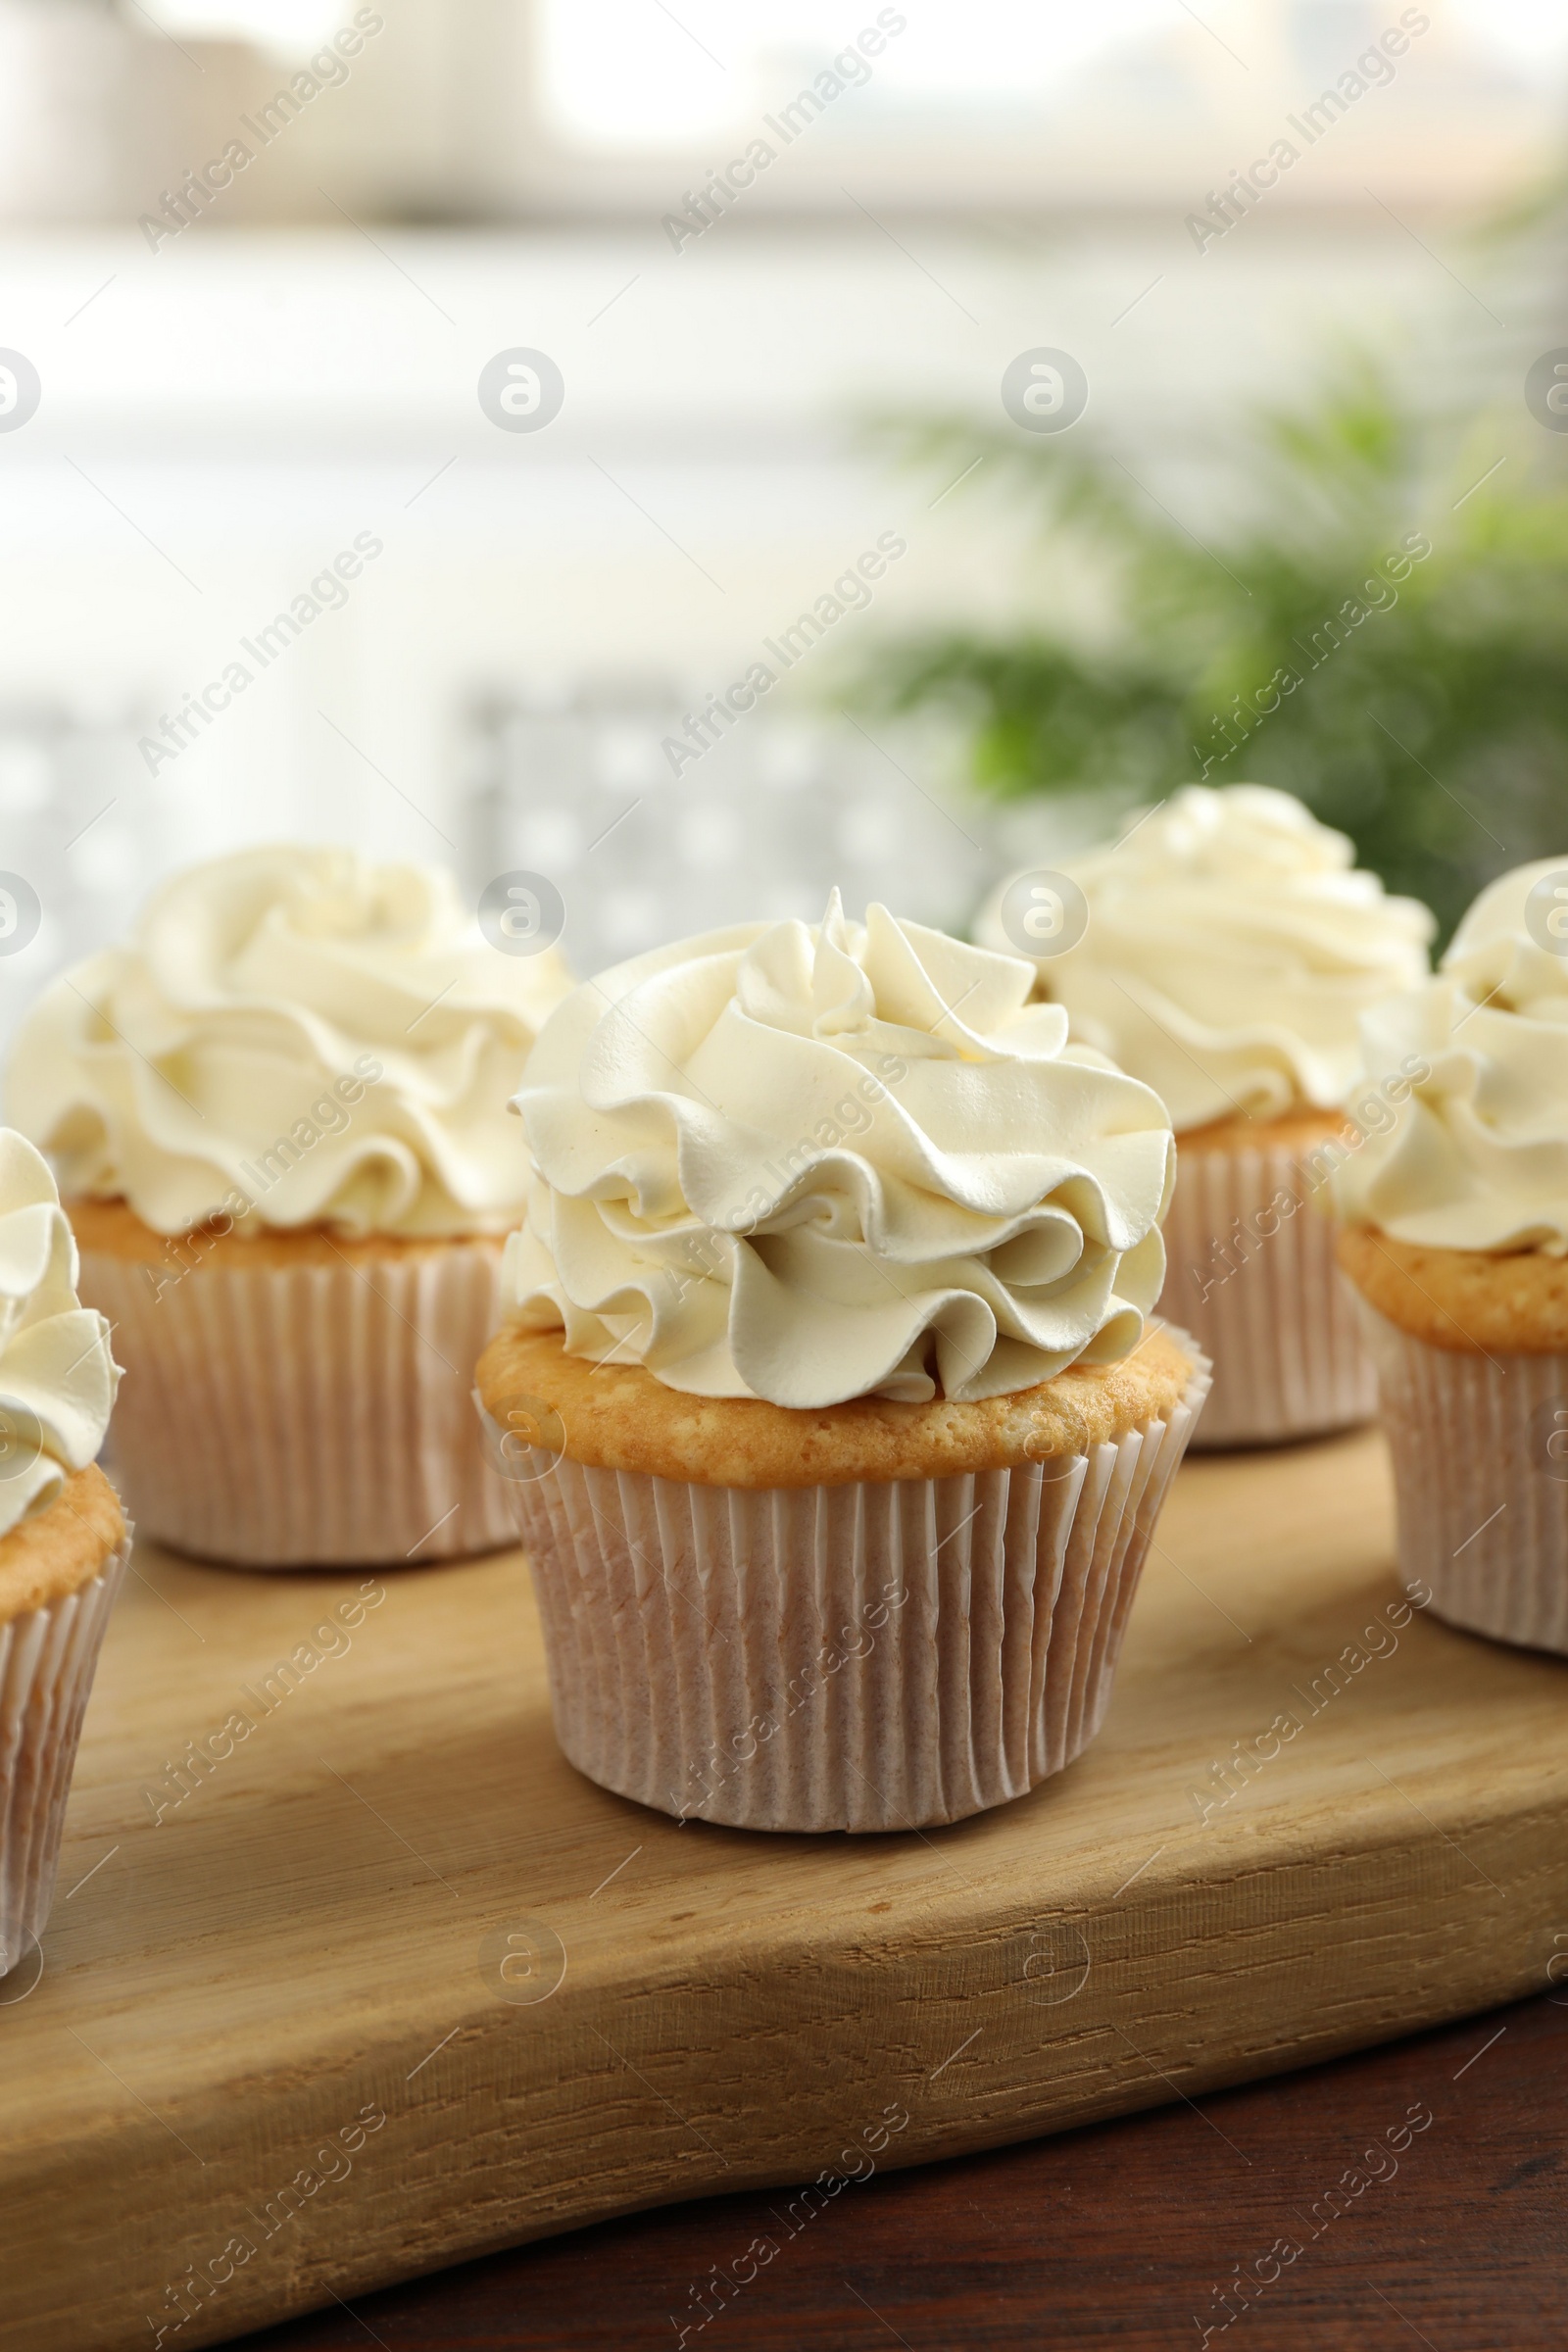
(63, 1541)
(1222, 951)
(1457, 1239)
(280, 1119)
(828, 1392)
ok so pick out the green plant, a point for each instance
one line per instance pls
(1417, 700)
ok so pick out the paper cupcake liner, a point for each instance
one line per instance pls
(1271, 1308)
(294, 1416)
(1480, 1447)
(47, 1660)
(867, 1656)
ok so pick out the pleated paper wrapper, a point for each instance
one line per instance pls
(867, 1656)
(281, 1416)
(1272, 1310)
(1480, 1447)
(47, 1660)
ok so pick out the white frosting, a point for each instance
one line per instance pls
(57, 1376)
(1229, 952)
(1476, 1156)
(221, 1060)
(810, 1163)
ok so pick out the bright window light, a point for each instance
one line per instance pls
(643, 75)
(631, 72)
(289, 26)
(1534, 31)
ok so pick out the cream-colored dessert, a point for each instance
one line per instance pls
(827, 1341)
(62, 1533)
(1456, 1238)
(280, 1116)
(1230, 947)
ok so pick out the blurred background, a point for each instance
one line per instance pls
(413, 415)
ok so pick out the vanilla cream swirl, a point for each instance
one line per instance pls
(1476, 1156)
(57, 1376)
(1229, 952)
(815, 1162)
(293, 1035)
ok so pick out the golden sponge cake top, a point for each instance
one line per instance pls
(619, 1417)
(63, 1548)
(1467, 1300)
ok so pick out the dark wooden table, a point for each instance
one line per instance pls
(1120, 2233)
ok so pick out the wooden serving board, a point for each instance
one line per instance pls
(392, 1985)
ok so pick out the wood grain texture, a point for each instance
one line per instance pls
(1118, 2233)
(316, 1932)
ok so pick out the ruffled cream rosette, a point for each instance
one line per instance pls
(1228, 946)
(294, 1083)
(1469, 1183)
(811, 1173)
(63, 1538)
